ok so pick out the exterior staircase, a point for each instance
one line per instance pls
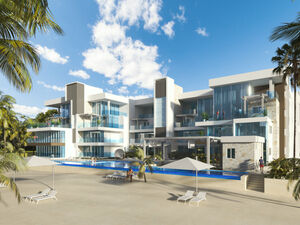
(255, 182)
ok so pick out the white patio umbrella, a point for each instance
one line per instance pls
(188, 164)
(40, 161)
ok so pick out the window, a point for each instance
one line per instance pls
(231, 153)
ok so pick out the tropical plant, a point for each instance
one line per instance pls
(205, 116)
(13, 136)
(44, 117)
(287, 59)
(283, 168)
(135, 152)
(146, 162)
(287, 31)
(20, 20)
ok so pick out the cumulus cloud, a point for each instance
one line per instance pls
(116, 55)
(180, 16)
(53, 87)
(51, 55)
(30, 111)
(132, 12)
(137, 97)
(79, 73)
(168, 29)
(202, 31)
(123, 90)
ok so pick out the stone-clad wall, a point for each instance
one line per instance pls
(246, 156)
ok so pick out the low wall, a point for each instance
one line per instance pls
(279, 187)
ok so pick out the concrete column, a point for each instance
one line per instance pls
(208, 150)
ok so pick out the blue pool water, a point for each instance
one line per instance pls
(124, 165)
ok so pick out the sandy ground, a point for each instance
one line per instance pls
(86, 197)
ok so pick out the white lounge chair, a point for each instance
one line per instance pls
(112, 175)
(50, 195)
(188, 195)
(40, 194)
(200, 197)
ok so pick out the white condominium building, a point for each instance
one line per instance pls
(231, 125)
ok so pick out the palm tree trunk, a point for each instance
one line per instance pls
(145, 177)
(295, 116)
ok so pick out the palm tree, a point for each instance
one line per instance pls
(20, 20)
(147, 162)
(13, 136)
(287, 59)
(287, 31)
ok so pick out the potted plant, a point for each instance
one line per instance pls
(205, 116)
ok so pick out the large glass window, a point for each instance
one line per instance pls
(93, 151)
(160, 117)
(48, 137)
(49, 151)
(205, 105)
(114, 109)
(228, 102)
(250, 129)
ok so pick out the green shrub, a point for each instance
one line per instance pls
(283, 168)
(135, 152)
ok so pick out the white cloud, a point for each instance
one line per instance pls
(202, 31)
(108, 34)
(168, 29)
(180, 17)
(28, 110)
(51, 55)
(123, 90)
(79, 73)
(53, 87)
(138, 97)
(116, 55)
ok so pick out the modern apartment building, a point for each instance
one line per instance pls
(233, 123)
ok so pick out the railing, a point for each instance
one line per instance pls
(89, 124)
(141, 127)
(136, 141)
(97, 140)
(145, 116)
(41, 125)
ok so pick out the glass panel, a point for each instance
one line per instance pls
(160, 117)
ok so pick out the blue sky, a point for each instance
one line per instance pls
(121, 46)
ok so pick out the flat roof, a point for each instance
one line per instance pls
(196, 94)
(245, 77)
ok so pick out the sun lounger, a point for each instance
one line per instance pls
(188, 195)
(2, 185)
(40, 194)
(200, 197)
(111, 176)
(50, 195)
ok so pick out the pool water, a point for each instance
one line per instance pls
(125, 165)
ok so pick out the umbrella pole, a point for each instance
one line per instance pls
(53, 177)
(197, 181)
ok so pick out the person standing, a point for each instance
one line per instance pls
(261, 165)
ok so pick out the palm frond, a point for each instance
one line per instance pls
(14, 56)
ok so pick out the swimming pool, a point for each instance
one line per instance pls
(124, 165)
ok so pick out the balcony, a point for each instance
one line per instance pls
(97, 140)
(141, 127)
(42, 125)
(90, 125)
(136, 141)
(145, 116)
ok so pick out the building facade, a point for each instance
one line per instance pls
(232, 124)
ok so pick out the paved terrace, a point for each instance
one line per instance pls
(85, 197)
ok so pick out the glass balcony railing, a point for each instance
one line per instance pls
(89, 125)
(142, 116)
(141, 127)
(136, 141)
(41, 125)
(97, 140)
